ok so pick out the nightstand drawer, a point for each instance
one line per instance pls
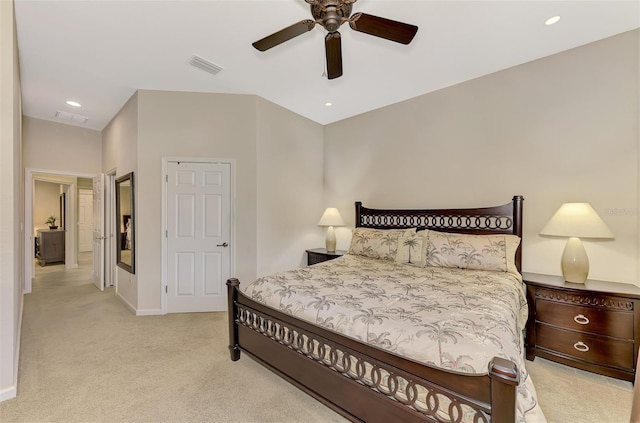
(596, 349)
(314, 258)
(319, 255)
(617, 324)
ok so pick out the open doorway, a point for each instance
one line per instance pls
(53, 241)
(57, 246)
(65, 188)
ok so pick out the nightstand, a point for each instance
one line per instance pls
(593, 326)
(50, 246)
(318, 255)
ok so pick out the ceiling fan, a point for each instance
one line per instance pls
(331, 14)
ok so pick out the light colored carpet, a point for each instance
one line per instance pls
(568, 395)
(86, 358)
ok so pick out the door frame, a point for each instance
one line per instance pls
(84, 191)
(232, 219)
(109, 250)
(31, 175)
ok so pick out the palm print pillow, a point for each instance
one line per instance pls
(377, 243)
(478, 252)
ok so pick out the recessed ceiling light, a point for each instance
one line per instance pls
(73, 103)
(552, 20)
(328, 104)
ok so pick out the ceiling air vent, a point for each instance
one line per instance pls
(204, 65)
(70, 117)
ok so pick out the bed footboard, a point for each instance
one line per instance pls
(361, 382)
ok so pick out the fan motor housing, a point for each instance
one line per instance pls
(331, 14)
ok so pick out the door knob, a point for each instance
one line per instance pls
(224, 244)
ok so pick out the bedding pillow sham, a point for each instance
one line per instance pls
(377, 243)
(412, 249)
(477, 252)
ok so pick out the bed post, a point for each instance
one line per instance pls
(517, 215)
(232, 297)
(504, 383)
(358, 213)
(517, 227)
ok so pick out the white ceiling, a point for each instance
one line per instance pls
(100, 52)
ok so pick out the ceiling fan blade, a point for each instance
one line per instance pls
(333, 47)
(384, 28)
(284, 35)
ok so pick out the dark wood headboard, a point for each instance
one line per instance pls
(505, 219)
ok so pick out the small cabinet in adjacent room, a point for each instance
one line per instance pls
(50, 246)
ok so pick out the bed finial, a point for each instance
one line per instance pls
(358, 214)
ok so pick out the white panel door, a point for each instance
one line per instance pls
(198, 236)
(98, 231)
(85, 220)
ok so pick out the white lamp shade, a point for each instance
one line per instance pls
(331, 217)
(577, 220)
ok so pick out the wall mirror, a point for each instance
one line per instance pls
(125, 215)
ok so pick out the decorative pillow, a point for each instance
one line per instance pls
(412, 249)
(377, 243)
(479, 252)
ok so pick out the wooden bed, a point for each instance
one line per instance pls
(291, 347)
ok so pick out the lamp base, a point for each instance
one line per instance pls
(331, 240)
(575, 263)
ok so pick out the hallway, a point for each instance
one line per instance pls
(56, 272)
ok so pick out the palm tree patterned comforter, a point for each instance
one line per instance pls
(454, 319)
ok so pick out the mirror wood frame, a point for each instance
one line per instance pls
(129, 267)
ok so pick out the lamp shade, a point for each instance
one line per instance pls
(576, 220)
(331, 217)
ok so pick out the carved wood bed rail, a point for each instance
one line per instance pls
(367, 384)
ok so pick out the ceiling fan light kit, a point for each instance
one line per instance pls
(331, 14)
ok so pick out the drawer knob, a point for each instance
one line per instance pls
(581, 319)
(581, 346)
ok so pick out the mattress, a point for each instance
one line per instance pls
(454, 319)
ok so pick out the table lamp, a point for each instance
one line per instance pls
(331, 217)
(575, 221)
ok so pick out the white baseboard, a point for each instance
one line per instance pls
(143, 312)
(126, 303)
(149, 312)
(12, 391)
(8, 393)
(19, 337)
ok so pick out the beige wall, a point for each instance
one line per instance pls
(178, 124)
(120, 152)
(120, 140)
(12, 204)
(560, 129)
(276, 205)
(56, 146)
(46, 202)
(289, 151)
